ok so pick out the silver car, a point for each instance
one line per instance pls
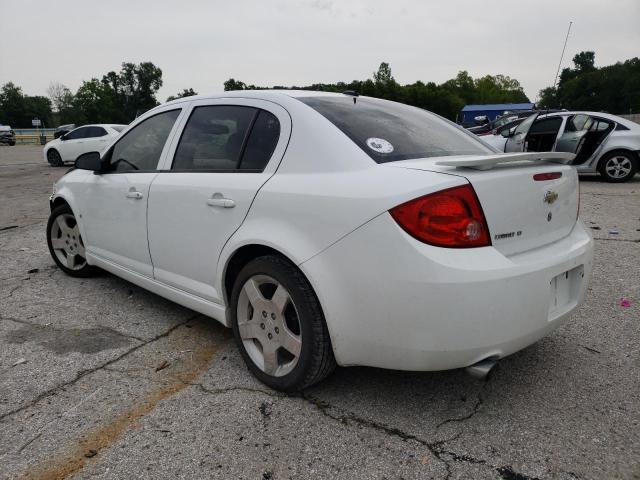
(603, 143)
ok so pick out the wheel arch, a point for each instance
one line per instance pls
(240, 257)
(634, 155)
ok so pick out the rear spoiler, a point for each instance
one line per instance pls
(486, 162)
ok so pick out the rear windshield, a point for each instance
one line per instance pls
(390, 131)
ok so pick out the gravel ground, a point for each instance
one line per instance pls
(101, 379)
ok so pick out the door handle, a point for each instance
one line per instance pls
(134, 194)
(217, 200)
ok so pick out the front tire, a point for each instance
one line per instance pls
(617, 167)
(65, 243)
(279, 326)
(54, 158)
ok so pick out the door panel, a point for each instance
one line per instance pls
(116, 219)
(189, 224)
(516, 142)
(71, 148)
(575, 129)
(115, 202)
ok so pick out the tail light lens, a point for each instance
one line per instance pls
(451, 218)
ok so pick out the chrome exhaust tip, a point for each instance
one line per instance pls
(482, 369)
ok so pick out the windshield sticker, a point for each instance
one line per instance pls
(379, 145)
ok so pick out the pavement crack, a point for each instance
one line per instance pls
(83, 373)
(616, 240)
(437, 448)
(471, 414)
(221, 391)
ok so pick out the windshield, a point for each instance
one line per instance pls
(390, 131)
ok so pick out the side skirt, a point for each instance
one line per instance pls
(200, 305)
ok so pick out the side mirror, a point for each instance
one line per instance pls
(89, 161)
(63, 137)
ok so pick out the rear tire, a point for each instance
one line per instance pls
(65, 243)
(279, 326)
(619, 166)
(54, 158)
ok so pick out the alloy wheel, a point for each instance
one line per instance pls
(269, 325)
(618, 166)
(67, 243)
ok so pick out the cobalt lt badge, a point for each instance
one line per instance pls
(550, 197)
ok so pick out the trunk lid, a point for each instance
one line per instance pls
(522, 213)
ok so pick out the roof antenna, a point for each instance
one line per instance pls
(352, 93)
(555, 80)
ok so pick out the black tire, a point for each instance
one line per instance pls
(11, 144)
(607, 169)
(316, 360)
(81, 268)
(54, 158)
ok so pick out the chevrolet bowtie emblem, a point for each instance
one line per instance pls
(550, 197)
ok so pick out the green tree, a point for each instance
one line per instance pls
(233, 84)
(186, 92)
(17, 109)
(96, 102)
(612, 88)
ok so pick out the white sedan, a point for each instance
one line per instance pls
(88, 138)
(331, 229)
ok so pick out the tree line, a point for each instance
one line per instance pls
(446, 99)
(612, 88)
(119, 97)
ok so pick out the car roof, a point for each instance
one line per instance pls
(607, 116)
(257, 94)
(100, 125)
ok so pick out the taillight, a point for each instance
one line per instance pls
(451, 218)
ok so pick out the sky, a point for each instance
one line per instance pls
(199, 44)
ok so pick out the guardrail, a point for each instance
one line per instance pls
(32, 135)
(634, 117)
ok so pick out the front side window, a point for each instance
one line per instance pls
(215, 138)
(389, 131)
(78, 133)
(546, 125)
(141, 147)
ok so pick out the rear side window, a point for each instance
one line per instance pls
(141, 147)
(262, 141)
(389, 131)
(577, 123)
(221, 138)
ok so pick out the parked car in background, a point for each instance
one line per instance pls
(88, 138)
(62, 129)
(327, 228)
(7, 135)
(491, 128)
(603, 143)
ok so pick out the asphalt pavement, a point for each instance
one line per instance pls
(101, 379)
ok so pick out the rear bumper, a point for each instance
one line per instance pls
(393, 302)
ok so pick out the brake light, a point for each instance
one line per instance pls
(451, 218)
(541, 177)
